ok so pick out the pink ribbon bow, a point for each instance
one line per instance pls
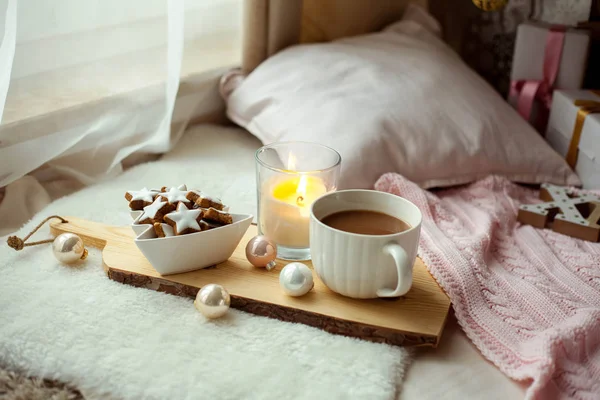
(527, 91)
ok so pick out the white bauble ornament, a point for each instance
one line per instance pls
(296, 279)
(212, 301)
(68, 248)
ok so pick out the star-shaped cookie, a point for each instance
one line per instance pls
(176, 195)
(184, 220)
(155, 211)
(138, 199)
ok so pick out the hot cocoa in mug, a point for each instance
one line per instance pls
(364, 242)
(366, 222)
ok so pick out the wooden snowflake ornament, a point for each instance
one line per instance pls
(575, 216)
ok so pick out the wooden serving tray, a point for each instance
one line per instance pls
(416, 319)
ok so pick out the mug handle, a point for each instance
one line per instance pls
(404, 271)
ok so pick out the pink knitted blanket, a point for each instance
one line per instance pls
(528, 298)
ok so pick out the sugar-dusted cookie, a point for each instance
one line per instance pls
(155, 211)
(184, 220)
(176, 195)
(207, 225)
(138, 199)
(204, 225)
(204, 201)
(193, 195)
(214, 215)
(163, 230)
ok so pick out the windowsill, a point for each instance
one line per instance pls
(34, 98)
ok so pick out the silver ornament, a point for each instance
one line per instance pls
(68, 248)
(296, 279)
(262, 252)
(212, 301)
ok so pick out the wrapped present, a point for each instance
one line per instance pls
(546, 57)
(574, 132)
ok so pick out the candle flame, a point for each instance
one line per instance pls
(291, 164)
(301, 190)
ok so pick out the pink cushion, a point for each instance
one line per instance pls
(395, 101)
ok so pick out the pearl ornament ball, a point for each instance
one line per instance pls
(262, 252)
(212, 301)
(68, 248)
(296, 279)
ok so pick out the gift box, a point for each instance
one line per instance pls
(574, 132)
(546, 57)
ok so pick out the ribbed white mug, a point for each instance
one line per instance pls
(364, 266)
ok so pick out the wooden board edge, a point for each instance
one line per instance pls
(443, 326)
(448, 306)
(91, 241)
(283, 313)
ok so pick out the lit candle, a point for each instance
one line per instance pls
(285, 209)
(286, 193)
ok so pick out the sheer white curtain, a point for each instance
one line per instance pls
(85, 84)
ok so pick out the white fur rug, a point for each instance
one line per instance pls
(106, 339)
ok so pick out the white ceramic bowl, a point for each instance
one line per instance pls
(176, 254)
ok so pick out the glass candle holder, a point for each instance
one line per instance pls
(290, 176)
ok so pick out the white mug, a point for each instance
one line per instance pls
(358, 265)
